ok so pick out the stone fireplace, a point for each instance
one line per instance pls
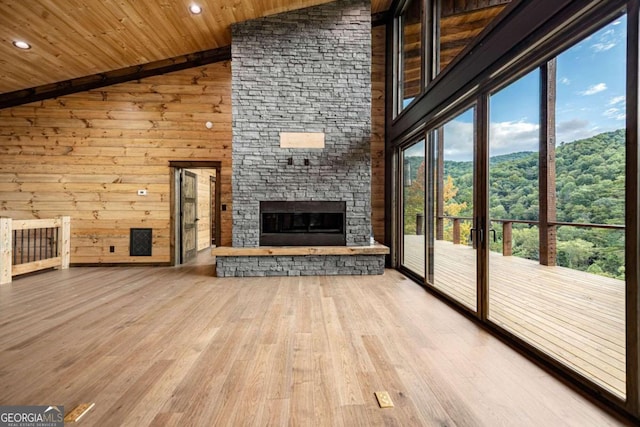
(306, 71)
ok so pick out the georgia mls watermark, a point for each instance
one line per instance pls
(32, 416)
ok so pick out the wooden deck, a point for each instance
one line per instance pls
(574, 316)
(169, 346)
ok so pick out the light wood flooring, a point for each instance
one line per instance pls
(574, 316)
(174, 346)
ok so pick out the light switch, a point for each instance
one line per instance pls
(142, 192)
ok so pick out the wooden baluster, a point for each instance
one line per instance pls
(506, 239)
(456, 231)
(64, 242)
(5, 250)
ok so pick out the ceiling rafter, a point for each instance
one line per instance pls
(95, 81)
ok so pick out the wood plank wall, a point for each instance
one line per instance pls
(377, 131)
(457, 31)
(85, 155)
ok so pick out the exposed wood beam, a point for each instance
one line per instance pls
(136, 72)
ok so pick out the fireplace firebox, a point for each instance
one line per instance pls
(302, 223)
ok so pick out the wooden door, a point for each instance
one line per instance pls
(212, 217)
(188, 215)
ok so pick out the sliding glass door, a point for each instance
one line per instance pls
(414, 169)
(556, 206)
(452, 258)
(514, 213)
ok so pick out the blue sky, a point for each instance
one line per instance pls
(590, 99)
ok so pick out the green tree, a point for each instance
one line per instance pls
(414, 200)
(575, 253)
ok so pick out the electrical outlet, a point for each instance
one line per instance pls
(384, 400)
(142, 192)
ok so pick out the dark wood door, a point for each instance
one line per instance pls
(188, 215)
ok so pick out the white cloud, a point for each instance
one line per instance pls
(592, 90)
(617, 100)
(615, 113)
(565, 81)
(571, 125)
(458, 141)
(607, 40)
(602, 47)
(611, 112)
(618, 22)
(573, 129)
(511, 137)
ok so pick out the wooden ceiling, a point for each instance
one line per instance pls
(458, 30)
(77, 38)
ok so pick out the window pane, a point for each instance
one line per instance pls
(590, 189)
(561, 287)
(460, 22)
(413, 190)
(410, 65)
(454, 255)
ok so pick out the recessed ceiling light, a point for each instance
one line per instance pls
(195, 9)
(21, 45)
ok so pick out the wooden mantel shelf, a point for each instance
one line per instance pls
(375, 249)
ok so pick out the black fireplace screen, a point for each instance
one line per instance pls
(302, 223)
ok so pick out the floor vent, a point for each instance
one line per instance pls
(141, 240)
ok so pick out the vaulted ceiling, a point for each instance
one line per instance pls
(75, 38)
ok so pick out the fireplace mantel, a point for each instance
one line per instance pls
(375, 249)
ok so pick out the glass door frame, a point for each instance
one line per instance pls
(428, 134)
(408, 142)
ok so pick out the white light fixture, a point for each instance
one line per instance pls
(21, 45)
(208, 125)
(195, 9)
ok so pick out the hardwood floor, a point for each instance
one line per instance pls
(173, 346)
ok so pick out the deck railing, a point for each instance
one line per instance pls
(507, 242)
(31, 245)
